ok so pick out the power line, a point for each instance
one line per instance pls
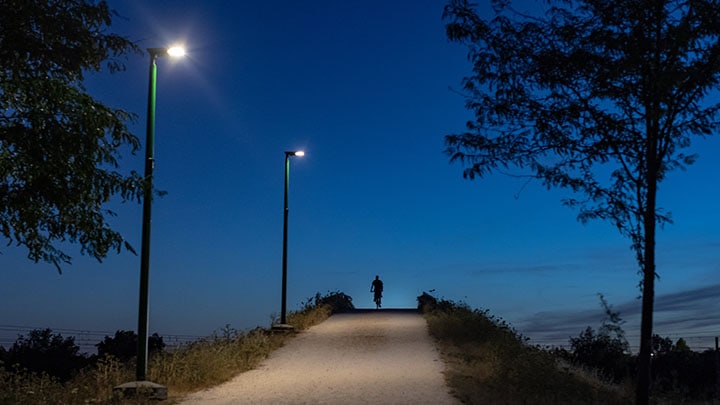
(85, 339)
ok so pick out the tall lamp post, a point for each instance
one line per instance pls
(141, 386)
(142, 353)
(283, 310)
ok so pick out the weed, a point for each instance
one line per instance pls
(489, 362)
(198, 365)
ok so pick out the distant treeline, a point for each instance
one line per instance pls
(86, 339)
(43, 351)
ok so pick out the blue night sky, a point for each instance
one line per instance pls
(365, 87)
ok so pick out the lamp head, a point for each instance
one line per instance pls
(295, 153)
(175, 51)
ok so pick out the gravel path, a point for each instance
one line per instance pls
(380, 357)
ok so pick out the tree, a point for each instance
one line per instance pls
(661, 345)
(60, 147)
(123, 345)
(612, 324)
(608, 349)
(601, 351)
(597, 96)
(45, 352)
(681, 346)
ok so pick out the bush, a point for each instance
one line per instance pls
(124, 345)
(198, 365)
(426, 302)
(489, 362)
(684, 374)
(44, 352)
(602, 352)
(339, 302)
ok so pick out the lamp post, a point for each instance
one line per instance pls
(283, 310)
(142, 353)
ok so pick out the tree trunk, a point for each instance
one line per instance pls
(652, 169)
(648, 298)
(648, 266)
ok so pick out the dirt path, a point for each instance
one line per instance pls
(379, 357)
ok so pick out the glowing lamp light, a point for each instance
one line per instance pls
(300, 153)
(176, 51)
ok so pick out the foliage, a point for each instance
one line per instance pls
(608, 350)
(212, 361)
(678, 373)
(489, 362)
(602, 352)
(318, 308)
(684, 375)
(599, 97)
(338, 301)
(426, 302)
(681, 346)
(43, 352)
(59, 146)
(569, 94)
(661, 345)
(92, 385)
(19, 386)
(124, 345)
(198, 365)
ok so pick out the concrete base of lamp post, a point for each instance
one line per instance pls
(141, 389)
(282, 327)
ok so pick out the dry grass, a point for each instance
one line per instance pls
(212, 361)
(489, 363)
(90, 386)
(200, 365)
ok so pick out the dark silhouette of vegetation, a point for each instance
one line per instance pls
(338, 301)
(597, 96)
(426, 302)
(187, 368)
(489, 362)
(124, 345)
(678, 373)
(59, 146)
(682, 374)
(602, 352)
(605, 350)
(45, 352)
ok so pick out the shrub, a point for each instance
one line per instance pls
(44, 352)
(489, 362)
(198, 365)
(426, 302)
(339, 302)
(602, 352)
(124, 345)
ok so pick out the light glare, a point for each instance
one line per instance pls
(300, 153)
(176, 51)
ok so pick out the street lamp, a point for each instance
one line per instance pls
(142, 354)
(141, 385)
(283, 310)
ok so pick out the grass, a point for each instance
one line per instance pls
(197, 366)
(489, 363)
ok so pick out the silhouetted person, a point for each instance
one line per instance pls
(377, 288)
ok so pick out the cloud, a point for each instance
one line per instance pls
(688, 313)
